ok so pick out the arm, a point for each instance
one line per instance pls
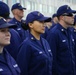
(52, 40)
(23, 58)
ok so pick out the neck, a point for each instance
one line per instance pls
(36, 35)
(64, 25)
(1, 49)
(17, 18)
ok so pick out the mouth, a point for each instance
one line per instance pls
(7, 38)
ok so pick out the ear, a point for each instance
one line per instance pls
(62, 17)
(14, 11)
(30, 25)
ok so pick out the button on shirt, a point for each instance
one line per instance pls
(62, 45)
(35, 57)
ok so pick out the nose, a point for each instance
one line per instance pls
(7, 33)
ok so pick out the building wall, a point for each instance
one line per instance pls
(47, 7)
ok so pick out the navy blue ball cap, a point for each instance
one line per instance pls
(64, 9)
(4, 9)
(36, 16)
(5, 24)
(54, 15)
(17, 6)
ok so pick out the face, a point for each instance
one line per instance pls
(4, 36)
(69, 19)
(55, 20)
(19, 13)
(48, 24)
(37, 27)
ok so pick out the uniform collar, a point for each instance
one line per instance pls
(32, 37)
(5, 53)
(16, 21)
(62, 29)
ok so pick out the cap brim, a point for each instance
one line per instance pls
(22, 8)
(72, 11)
(45, 19)
(8, 25)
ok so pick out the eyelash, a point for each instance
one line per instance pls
(3, 30)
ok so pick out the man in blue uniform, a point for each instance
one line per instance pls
(15, 38)
(62, 43)
(18, 13)
(54, 20)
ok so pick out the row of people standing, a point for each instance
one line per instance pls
(34, 55)
(40, 63)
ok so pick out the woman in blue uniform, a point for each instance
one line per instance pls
(8, 66)
(35, 57)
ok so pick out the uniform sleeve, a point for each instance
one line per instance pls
(23, 58)
(53, 43)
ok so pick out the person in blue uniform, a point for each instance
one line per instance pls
(35, 57)
(74, 34)
(54, 20)
(8, 66)
(15, 38)
(18, 13)
(62, 43)
(48, 26)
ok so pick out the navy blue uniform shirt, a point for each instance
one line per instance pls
(23, 34)
(62, 44)
(74, 34)
(35, 57)
(8, 66)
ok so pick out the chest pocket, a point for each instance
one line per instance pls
(4, 72)
(39, 56)
(63, 45)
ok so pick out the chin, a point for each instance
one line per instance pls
(7, 43)
(42, 32)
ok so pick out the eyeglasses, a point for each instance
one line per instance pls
(68, 14)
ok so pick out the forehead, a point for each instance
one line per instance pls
(38, 21)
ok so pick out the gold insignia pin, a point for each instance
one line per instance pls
(38, 14)
(1, 17)
(67, 7)
(19, 4)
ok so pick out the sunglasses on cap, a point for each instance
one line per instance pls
(68, 14)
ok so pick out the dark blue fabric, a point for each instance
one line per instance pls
(62, 44)
(36, 15)
(17, 6)
(23, 34)
(74, 34)
(5, 24)
(53, 24)
(15, 42)
(64, 9)
(4, 9)
(9, 66)
(34, 58)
